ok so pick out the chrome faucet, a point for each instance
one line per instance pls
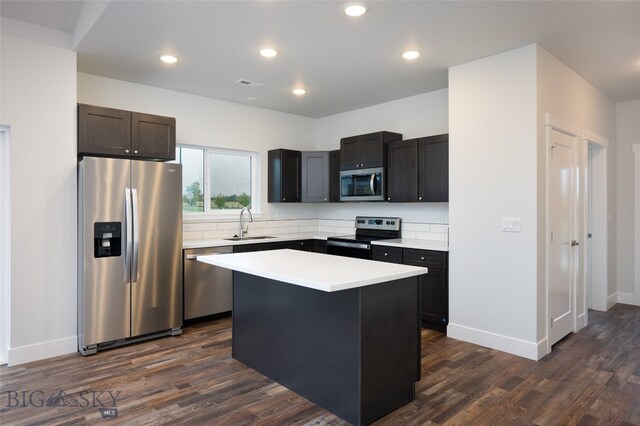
(242, 230)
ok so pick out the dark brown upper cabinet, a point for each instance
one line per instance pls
(402, 171)
(315, 176)
(334, 176)
(284, 176)
(418, 170)
(110, 132)
(433, 168)
(365, 151)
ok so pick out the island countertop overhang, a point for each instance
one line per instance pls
(313, 270)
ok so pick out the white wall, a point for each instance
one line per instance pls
(493, 174)
(415, 116)
(209, 122)
(38, 85)
(628, 129)
(563, 93)
(497, 109)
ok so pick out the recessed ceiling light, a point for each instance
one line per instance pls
(168, 59)
(355, 9)
(410, 55)
(268, 52)
(299, 91)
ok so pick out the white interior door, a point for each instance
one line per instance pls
(561, 264)
(596, 228)
(5, 244)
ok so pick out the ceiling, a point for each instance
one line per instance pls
(344, 63)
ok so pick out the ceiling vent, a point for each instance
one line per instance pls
(249, 83)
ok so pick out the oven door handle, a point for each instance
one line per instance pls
(348, 245)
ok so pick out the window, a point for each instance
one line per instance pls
(224, 178)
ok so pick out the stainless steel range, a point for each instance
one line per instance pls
(368, 229)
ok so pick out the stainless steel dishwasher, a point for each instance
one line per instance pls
(207, 288)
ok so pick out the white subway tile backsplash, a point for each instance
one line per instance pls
(329, 222)
(214, 235)
(431, 229)
(439, 228)
(192, 235)
(289, 230)
(205, 226)
(259, 224)
(229, 225)
(327, 229)
(436, 236)
(408, 234)
(409, 226)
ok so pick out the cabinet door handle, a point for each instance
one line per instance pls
(284, 199)
(386, 254)
(421, 257)
(135, 152)
(419, 198)
(126, 151)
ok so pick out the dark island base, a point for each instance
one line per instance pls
(354, 352)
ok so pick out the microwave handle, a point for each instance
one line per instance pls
(372, 184)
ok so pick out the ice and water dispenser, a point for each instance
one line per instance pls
(107, 239)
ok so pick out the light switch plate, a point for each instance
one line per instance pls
(510, 224)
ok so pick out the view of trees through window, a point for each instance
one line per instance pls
(229, 179)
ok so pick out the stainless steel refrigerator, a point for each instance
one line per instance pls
(129, 246)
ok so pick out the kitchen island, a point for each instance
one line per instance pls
(342, 332)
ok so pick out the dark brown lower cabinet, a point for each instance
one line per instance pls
(434, 286)
(304, 245)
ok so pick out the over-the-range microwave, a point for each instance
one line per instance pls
(362, 184)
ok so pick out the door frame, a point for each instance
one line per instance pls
(555, 123)
(636, 215)
(595, 200)
(5, 243)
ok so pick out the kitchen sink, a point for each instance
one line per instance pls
(260, 237)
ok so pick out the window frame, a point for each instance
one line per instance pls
(211, 214)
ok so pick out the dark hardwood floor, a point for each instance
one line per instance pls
(592, 377)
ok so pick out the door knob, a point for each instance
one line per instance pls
(574, 243)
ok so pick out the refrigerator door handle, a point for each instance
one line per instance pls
(128, 235)
(134, 258)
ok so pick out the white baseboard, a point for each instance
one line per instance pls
(38, 351)
(626, 298)
(523, 348)
(612, 300)
(581, 322)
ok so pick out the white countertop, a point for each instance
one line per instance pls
(219, 242)
(414, 244)
(399, 242)
(313, 270)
